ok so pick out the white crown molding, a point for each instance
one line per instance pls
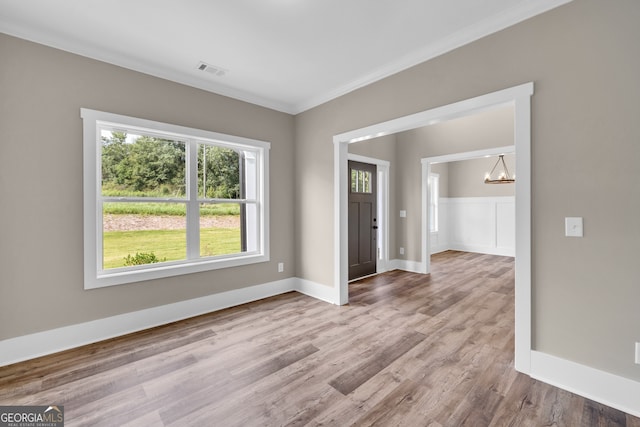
(79, 48)
(468, 35)
(519, 13)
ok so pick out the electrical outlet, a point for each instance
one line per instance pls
(280, 267)
(401, 251)
(638, 353)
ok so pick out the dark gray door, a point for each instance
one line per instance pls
(363, 226)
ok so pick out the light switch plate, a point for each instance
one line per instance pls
(573, 226)
(638, 353)
(403, 214)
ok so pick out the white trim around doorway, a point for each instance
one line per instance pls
(520, 98)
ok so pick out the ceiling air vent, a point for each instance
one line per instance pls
(212, 69)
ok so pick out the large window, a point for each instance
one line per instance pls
(162, 200)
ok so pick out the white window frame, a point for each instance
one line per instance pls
(94, 275)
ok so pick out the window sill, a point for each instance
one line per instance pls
(158, 271)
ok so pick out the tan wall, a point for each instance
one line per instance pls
(585, 112)
(41, 244)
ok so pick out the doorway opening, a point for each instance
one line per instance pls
(363, 219)
(427, 192)
(519, 97)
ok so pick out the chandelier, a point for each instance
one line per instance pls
(503, 177)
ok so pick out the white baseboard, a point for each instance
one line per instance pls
(438, 249)
(316, 290)
(30, 346)
(481, 249)
(609, 389)
(406, 265)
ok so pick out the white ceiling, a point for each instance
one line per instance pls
(289, 55)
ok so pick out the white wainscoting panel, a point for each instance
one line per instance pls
(477, 224)
(506, 226)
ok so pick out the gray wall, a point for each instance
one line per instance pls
(582, 58)
(41, 244)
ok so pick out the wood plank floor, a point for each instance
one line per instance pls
(408, 350)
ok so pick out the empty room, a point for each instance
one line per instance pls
(304, 212)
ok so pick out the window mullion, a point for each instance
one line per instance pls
(193, 208)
